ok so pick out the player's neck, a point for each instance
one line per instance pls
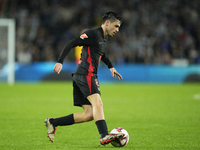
(104, 30)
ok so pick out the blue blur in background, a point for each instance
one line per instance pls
(37, 72)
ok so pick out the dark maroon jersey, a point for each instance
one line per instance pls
(93, 51)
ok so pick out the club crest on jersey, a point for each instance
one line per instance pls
(83, 36)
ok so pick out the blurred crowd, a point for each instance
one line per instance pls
(152, 31)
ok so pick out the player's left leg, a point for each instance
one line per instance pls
(52, 123)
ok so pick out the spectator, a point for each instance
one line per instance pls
(152, 31)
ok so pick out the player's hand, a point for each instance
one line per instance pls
(115, 73)
(57, 68)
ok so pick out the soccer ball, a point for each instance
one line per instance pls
(123, 141)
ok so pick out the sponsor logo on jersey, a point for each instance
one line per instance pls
(83, 36)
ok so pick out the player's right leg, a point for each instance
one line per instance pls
(85, 116)
(52, 123)
(51, 129)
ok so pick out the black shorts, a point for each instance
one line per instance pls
(84, 86)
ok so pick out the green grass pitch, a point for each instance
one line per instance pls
(156, 116)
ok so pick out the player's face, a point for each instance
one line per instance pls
(113, 27)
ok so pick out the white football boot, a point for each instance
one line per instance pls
(111, 137)
(50, 130)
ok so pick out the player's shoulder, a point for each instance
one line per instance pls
(90, 33)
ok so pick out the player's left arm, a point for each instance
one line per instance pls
(115, 74)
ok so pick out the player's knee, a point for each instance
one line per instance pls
(88, 116)
(95, 100)
(88, 113)
(98, 102)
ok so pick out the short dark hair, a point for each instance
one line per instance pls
(112, 16)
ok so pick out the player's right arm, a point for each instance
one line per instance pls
(57, 68)
(85, 39)
(68, 46)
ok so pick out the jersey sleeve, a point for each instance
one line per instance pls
(85, 39)
(106, 60)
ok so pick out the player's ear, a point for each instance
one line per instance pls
(107, 22)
